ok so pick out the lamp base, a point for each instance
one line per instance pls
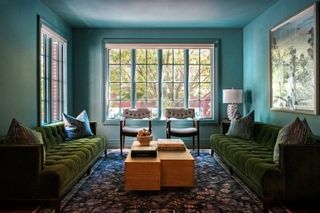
(231, 110)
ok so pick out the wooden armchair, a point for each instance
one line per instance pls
(128, 130)
(179, 114)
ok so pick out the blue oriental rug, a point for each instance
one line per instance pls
(215, 190)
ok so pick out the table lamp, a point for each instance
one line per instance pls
(232, 97)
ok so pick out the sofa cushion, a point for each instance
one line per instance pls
(253, 160)
(242, 127)
(77, 127)
(293, 133)
(66, 160)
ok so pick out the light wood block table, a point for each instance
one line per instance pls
(168, 169)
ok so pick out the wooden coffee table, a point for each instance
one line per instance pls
(168, 169)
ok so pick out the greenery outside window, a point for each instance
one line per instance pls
(53, 64)
(158, 77)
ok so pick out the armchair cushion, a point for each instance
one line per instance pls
(184, 131)
(132, 130)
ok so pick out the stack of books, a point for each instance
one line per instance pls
(144, 151)
(171, 145)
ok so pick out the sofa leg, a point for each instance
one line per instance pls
(57, 206)
(212, 152)
(265, 204)
(89, 171)
(105, 153)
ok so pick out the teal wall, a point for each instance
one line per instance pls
(18, 59)
(88, 70)
(256, 62)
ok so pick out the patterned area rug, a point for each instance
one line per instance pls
(215, 190)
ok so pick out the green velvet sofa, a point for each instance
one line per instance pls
(296, 177)
(27, 173)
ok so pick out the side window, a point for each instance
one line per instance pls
(53, 65)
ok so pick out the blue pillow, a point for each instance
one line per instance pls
(77, 127)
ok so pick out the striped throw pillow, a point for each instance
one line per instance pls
(293, 133)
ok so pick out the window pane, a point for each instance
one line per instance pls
(114, 109)
(194, 73)
(125, 91)
(167, 91)
(179, 90)
(114, 91)
(194, 56)
(125, 56)
(114, 73)
(141, 104)
(141, 91)
(114, 56)
(205, 56)
(167, 73)
(178, 56)
(152, 56)
(152, 73)
(167, 56)
(205, 91)
(205, 75)
(152, 89)
(153, 106)
(125, 73)
(178, 73)
(194, 91)
(141, 73)
(205, 107)
(140, 56)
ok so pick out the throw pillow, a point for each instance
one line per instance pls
(77, 127)
(311, 139)
(242, 127)
(19, 134)
(293, 133)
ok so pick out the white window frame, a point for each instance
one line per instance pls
(212, 44)
(47, 35)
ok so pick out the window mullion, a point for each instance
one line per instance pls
(160, 82)
(186, 78)
(133, 76)
(48, 79)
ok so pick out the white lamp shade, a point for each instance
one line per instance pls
(233, 96)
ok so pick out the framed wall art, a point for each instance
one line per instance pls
(294, 63)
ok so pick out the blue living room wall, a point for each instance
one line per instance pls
(256, 63)
(88, 71)
(18, 59)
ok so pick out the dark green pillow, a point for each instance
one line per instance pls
(242, 127)
(293, 133)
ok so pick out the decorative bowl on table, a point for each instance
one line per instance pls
(144, 137)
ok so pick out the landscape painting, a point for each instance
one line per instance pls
(293, 63)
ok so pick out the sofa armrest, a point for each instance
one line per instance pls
(93, 126)
(20, 166)
(301, 168)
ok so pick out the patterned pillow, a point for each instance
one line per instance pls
(311, 139)
(242, 127)
(77, 127)
(293, 133)
(19, 134)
